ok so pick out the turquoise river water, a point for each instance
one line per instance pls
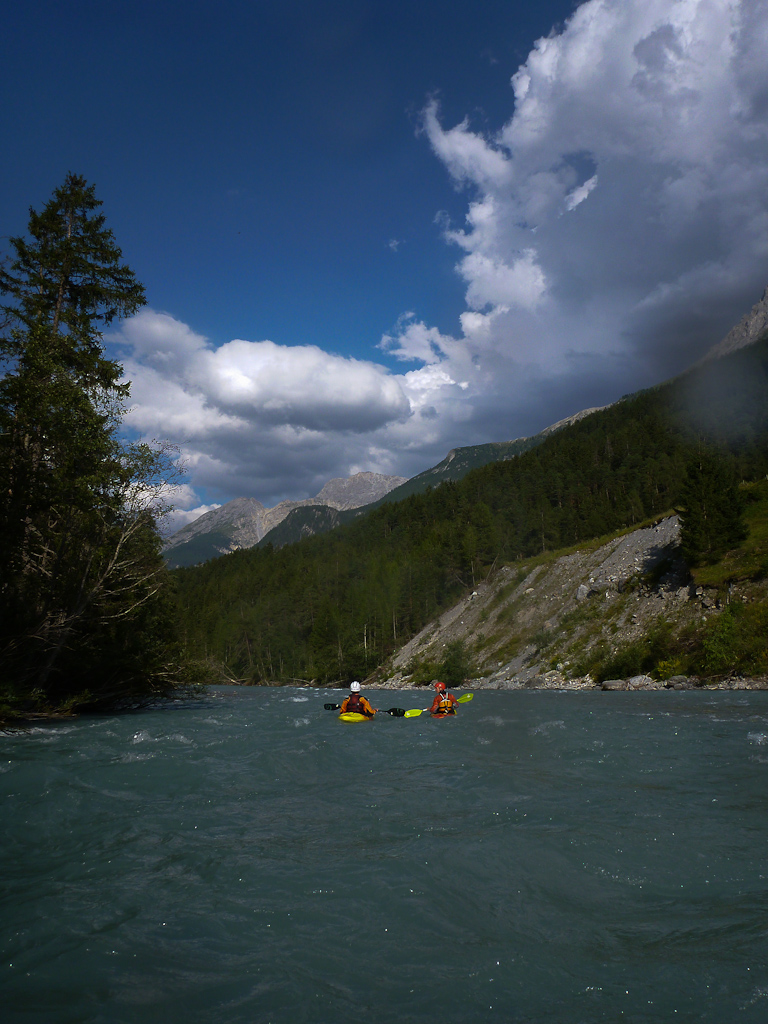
(246, 858)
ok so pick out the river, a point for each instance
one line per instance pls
(246, 858)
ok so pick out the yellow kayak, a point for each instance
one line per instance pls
(353, 716)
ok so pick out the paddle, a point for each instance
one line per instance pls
(415, 712)
(395, 712)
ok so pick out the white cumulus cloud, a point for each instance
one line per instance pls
(258, 419)
(618, 219)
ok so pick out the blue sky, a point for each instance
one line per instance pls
(370, 231)
(255, 158)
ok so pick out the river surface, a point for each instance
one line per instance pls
(543, 857)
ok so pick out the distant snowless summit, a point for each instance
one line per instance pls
(243, 522)
(355, 491)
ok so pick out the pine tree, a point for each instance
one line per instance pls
(712, 510)
(83, 617)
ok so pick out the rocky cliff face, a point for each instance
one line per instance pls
(570, 420)
(355, 491)
(242, 518)
(748, 330)
(243, 522)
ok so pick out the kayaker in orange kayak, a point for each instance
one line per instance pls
(357, 702)
(444, 702)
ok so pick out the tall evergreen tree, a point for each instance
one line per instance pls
(81, 601)
(712, 510)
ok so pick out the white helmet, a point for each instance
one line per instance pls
(354, 687)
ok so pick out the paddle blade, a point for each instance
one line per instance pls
(331, 707)
(414, 712)
(465, 698)
(396, 712)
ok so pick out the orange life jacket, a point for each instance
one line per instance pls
(355, 703)
(445, 707)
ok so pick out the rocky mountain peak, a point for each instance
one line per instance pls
(243, 522)
(752, 326)
(571, 419)
(355, 491)
(240, 517)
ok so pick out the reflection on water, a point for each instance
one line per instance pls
(542, 857)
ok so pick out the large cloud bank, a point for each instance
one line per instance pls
(265, 420)
(616, 226)
(618, 222)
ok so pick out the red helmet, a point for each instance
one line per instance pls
(440, 687)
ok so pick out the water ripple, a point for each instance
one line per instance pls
(558, 857)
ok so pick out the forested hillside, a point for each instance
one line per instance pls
(307, 522)
(334, 607)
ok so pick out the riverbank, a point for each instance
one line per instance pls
(557, 681)
(622, 613)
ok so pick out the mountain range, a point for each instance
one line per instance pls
(242, 523)
(246, 523)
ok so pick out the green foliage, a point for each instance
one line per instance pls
(719, 645)
(508, 649)
(712, 509)
(507, 613)
(733, 642)
(641, 656)
(423, 672)
(84, 617)
(750, 559)
(453, 668)
(668, 667)
(198, 549)
(506, 591)
(627, 661)
(736, 641)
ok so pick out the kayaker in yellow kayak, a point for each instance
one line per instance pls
(357, 702)
(444, 702)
